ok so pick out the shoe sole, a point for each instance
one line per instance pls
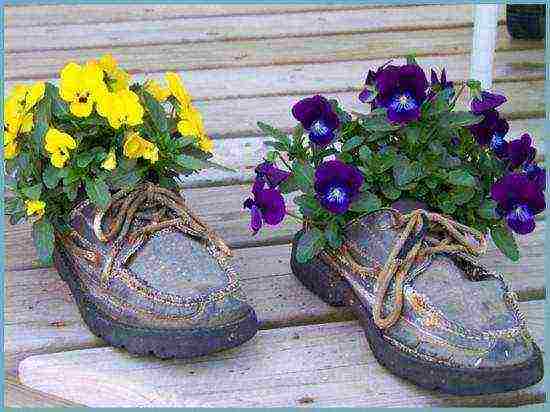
(456, 381)
(162, 343)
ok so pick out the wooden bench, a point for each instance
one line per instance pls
(243, 64)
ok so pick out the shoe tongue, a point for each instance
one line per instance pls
(370, 238)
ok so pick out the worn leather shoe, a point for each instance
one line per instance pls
(150, 277)
(431, 313)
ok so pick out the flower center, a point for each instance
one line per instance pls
(523, 213)
(336, 194)
(319, 128)
(497, 142)
(403, 102)
(83, 98)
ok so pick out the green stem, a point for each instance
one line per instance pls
(289, 167)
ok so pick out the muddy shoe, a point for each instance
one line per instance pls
(431, 314)
(150, 277)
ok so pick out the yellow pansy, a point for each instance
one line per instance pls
(177, 89)
(35, 207)
(136, 146)
(24, 97)
(121, 108)
(81, 86)
(11, 150)
(117, 79)
(110, 161)
(191, 124)
(58, 144)
(159, 93)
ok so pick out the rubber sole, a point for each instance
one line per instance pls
(317, 277)
(162, 343)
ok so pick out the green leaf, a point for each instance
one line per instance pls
(367, 202)
(365, 154)
(460, 119)
(462, 195)
(85, 158)
(41, 120)
(14, 205)
(33, 192)
(333, 236)
(309, 205)
(461, 177)
(52, 175)
(447, 207)
(505, 241)
(412, 133)
(275, 133)
(352, 143)
(98, 192)
(190, 162)
(404, 171)
(71, 190)
(390, 191)
(378, 124)
(44, 240)
(156, 112)
(60, 108)
(487, 210)
(309, 245)
(289, 185)
(303, 176)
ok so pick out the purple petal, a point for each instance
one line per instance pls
(273, 175)
(434, 79)
(403, 116)
(488, 101)
(255, 219)
(308, 110)
(272, 205)
(521, 220)
(365, 95)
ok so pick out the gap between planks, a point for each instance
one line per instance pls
(237, 28)
(320, 365)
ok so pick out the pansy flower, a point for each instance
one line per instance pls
(520, 151)
(491, 127)
(35, 207)
(486, 101)
(81, 86)
(270, 174)
(267, 206)
(136, 146)
(337, 185)
(121, 108)
(58, 144)
(318, 117)
(401, 90)
(519, 199)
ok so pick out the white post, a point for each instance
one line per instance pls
(484, 43)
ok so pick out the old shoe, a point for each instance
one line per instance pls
(431, 314)
(150, 277)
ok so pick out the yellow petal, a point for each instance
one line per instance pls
(150, 152)
(35, 207)
(110, 161)
(108, 62)
(206, 144)
(34, 95)
(11, 150)
(133, 146)
(178, 89)
(159, 93)
(81, 109)
(27, 123)
(57, 140)
(59, 159)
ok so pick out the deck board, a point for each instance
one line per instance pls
(262, 52)
(245, 63)
(314, 365)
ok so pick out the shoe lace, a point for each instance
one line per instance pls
(412, 245)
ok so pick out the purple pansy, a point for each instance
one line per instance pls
(487, 101)
(401, 90)
(520, 151)
(536, 174)
(366, 93)
(318, 117)
(268, 205)
(519, 200)
(337, 185)
(492, 125)
(270, 174)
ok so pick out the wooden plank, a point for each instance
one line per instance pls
(174, 31)
(40, 315)
(17, 395)
(316, 365)
(348, 75)
(262, 52)
(53, 15)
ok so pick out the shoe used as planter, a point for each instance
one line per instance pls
(431, 314)
(150, 277)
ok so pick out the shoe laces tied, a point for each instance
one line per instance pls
(414, 244)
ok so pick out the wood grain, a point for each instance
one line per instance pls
(17, 395)
(263, 52)
(323, 77)
(315, 365)
(53, 15)
(230, 28)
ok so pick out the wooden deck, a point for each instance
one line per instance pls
(244, 64)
